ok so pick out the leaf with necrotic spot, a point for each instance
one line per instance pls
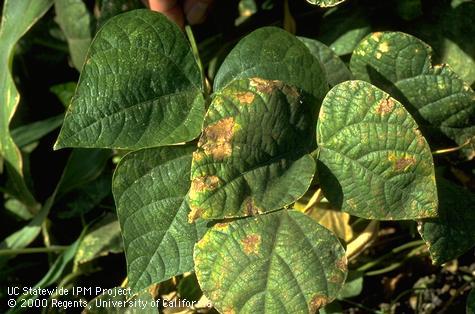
(373, 160)
(253, 155)
(248, 266)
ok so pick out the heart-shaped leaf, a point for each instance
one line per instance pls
(273, 54)
(442, 104)
(283, 262)
(335, 70)
(140, 87)
(253, 154)
(150, 188)
(374, 162)
(453, 232)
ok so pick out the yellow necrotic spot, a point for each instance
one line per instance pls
(383, 47)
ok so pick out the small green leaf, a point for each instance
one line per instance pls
(335, 70)
(374, 162)
(253, 155)
(150, 188)
(64, 92)
(28, 134)
(326, 3)
(75, 21)
(140, 87)
(26, 235)
(18, 209)
(353, 285)
(273, 54)
(442, 104)
(104, 238)
(453, 232)
(282, 262)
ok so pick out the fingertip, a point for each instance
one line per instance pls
(161, 5)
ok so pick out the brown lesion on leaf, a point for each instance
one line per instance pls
(228, 311)
(377, 36)
(385, 106)
(318, 301)
(251, 208)
(194, 214)
(419, 137)
(204, 183)
(222, 226)
(245, 98)
(251, 244)
(342, 264)
(402, 163)
(265, 86)
(216, 139)
(335, 279)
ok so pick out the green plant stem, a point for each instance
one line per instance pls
(33, 250)
(384, 270)
(196, 53)
(390, 254)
